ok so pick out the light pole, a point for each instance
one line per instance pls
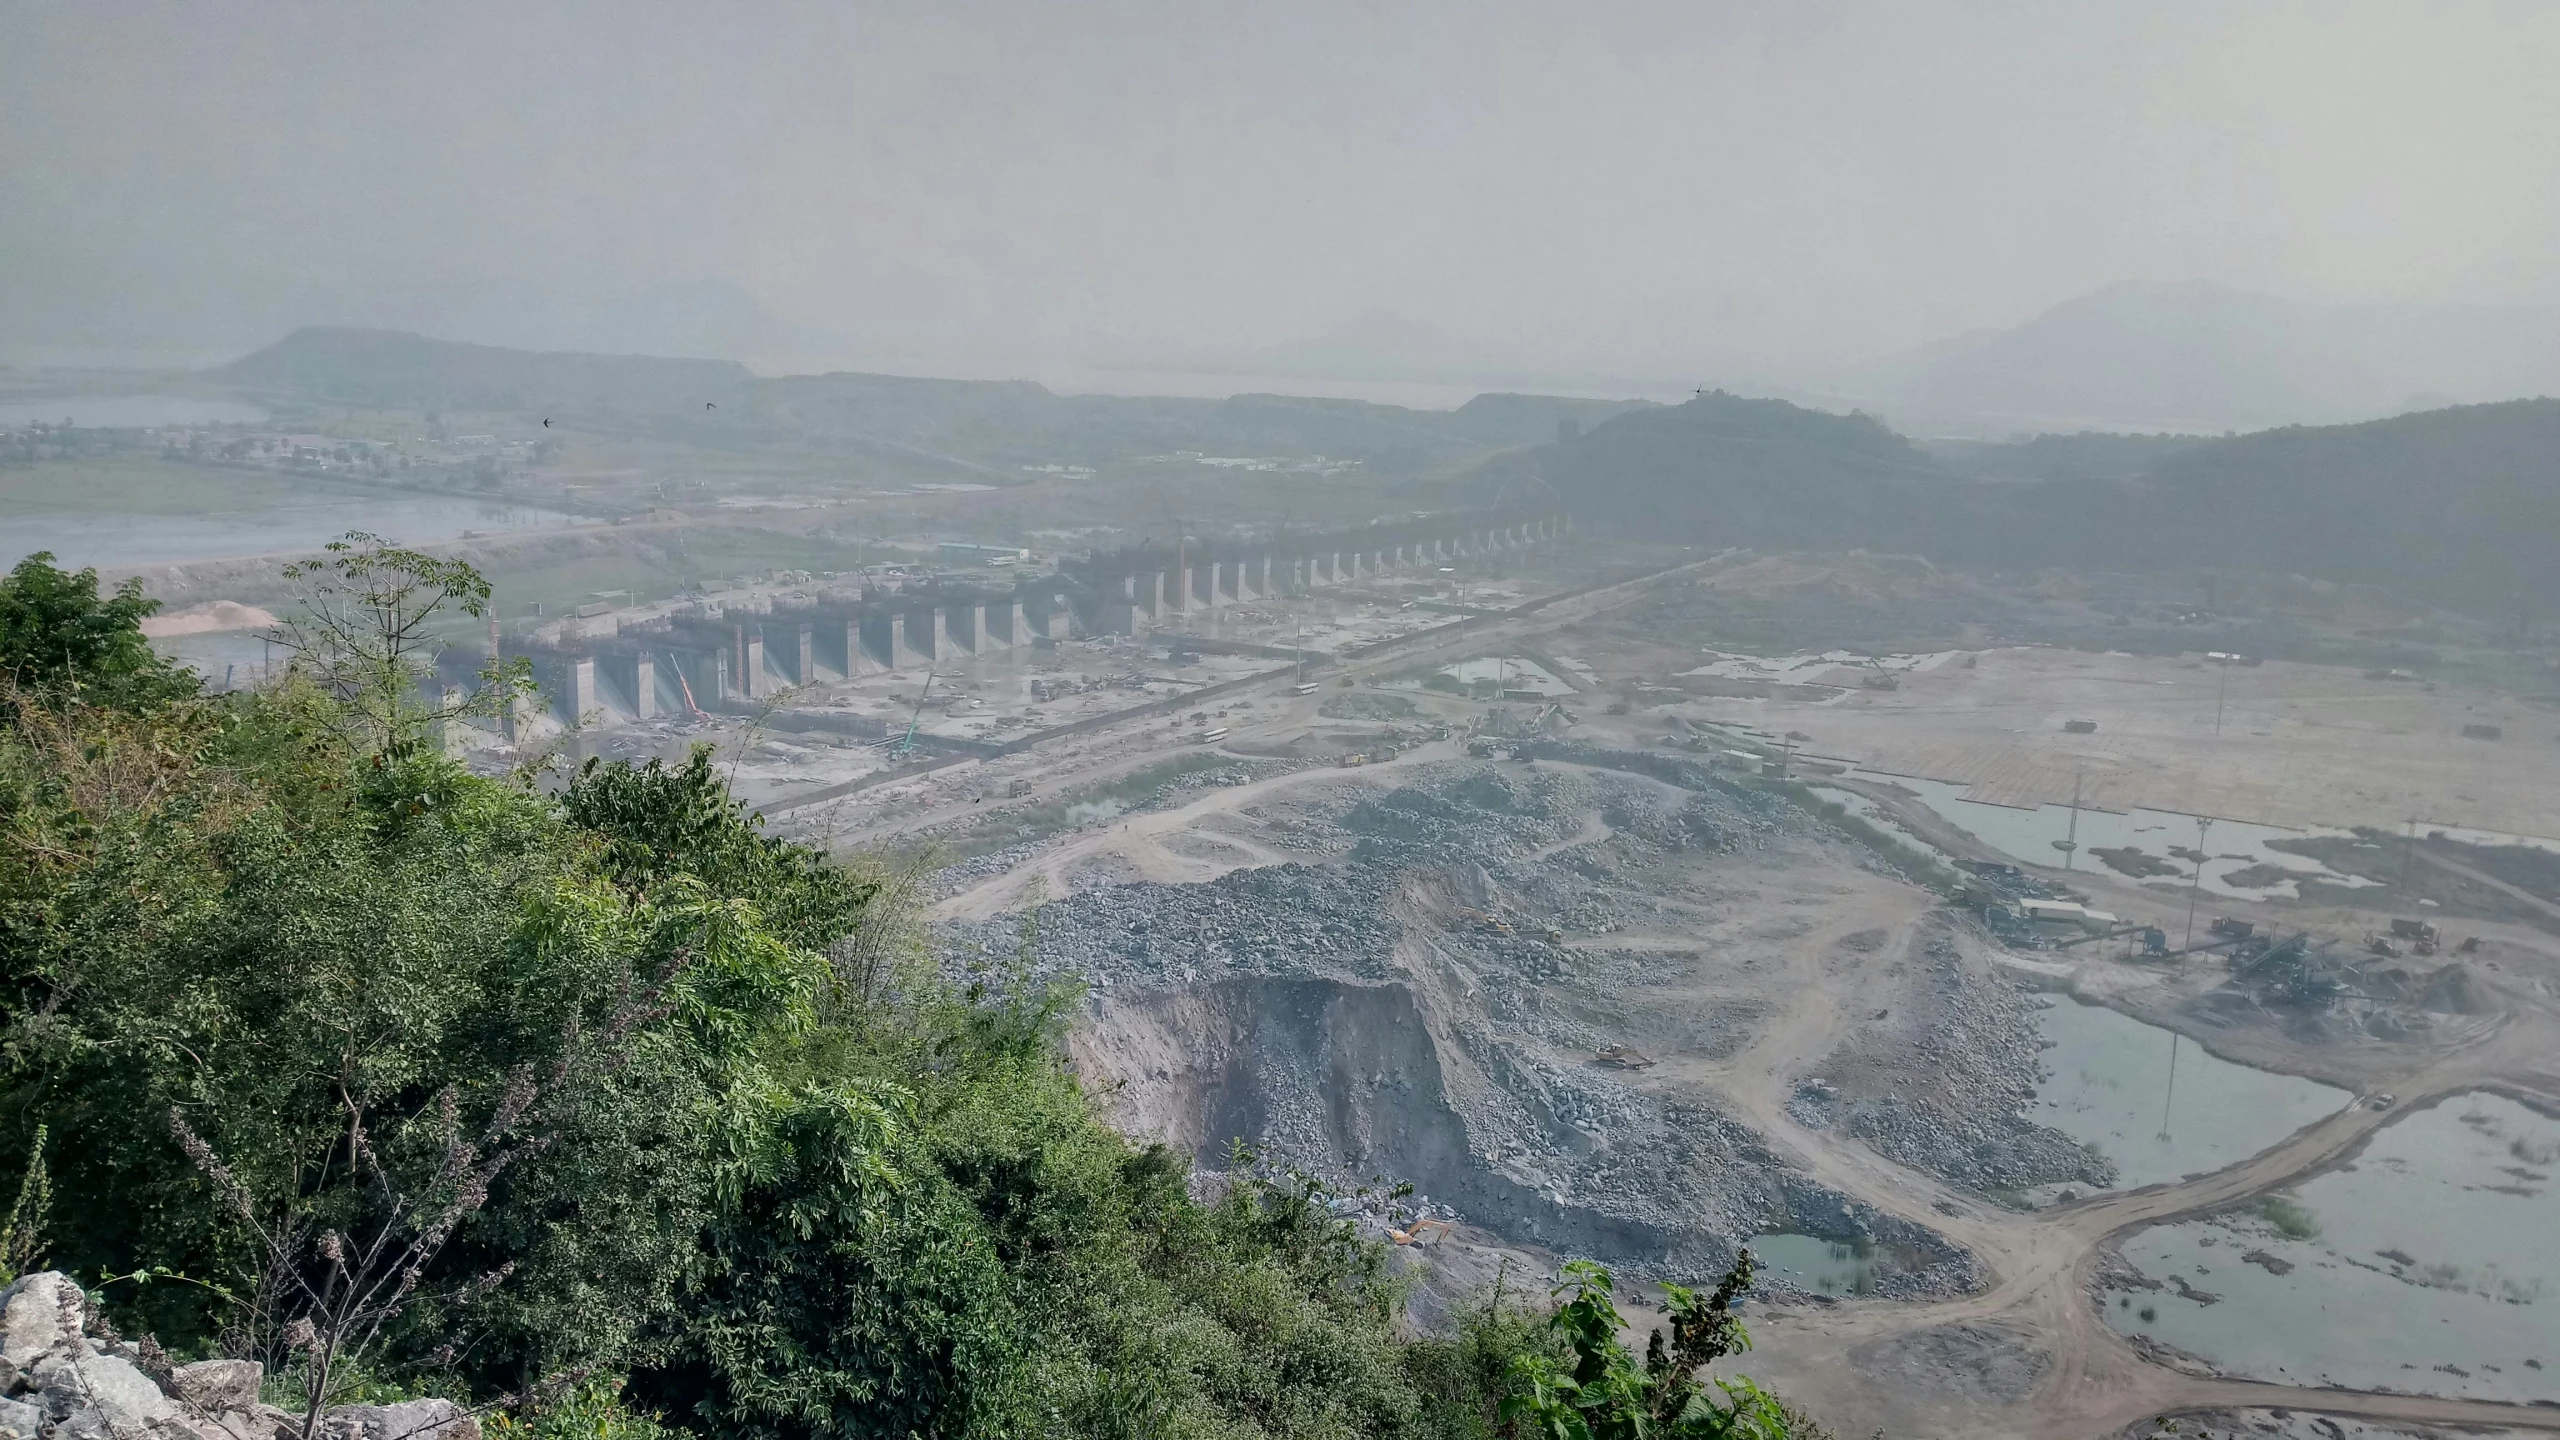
(2220, 688)
(2196, 884)
(2069, 845)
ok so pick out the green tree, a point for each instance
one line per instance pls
(60, 637)
(366, 629)
(1602, 1393)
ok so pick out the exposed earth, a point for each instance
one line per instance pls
(1587, 995)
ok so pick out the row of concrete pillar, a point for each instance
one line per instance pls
(698, 667)
(1210, 585)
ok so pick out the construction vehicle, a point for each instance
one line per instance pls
(1425, 1233)
(2079, 727)
(907, 743)
(1623, 1057)
(2236, 929)
(2420, 936)
(2155, 941)
(1879, 678)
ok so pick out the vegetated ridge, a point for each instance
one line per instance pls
(2197, 356)
(2461, 506)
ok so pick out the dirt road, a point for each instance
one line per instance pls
(2093, 1382)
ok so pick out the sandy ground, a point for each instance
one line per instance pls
(2299, 745)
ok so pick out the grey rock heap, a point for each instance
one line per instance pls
(69, 1378)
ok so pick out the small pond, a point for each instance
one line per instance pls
(2240, 865)
(2110, 1087)
(1876, 815)
(1515, 676)
(1820, 1266)
(2429, 1262)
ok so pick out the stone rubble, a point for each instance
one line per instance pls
(70, 1378)
(1561, 1151)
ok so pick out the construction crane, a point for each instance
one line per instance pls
(907, 743)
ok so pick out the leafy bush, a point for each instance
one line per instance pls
(2291, 1218)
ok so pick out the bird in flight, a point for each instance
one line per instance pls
(546, 422)
(707, 405)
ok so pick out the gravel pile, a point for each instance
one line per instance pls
(1449, 884)
(1976, 1038)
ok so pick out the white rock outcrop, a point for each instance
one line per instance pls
(58, 1382)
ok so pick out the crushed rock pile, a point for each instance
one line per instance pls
(1347, 1015)
(1977, 1034)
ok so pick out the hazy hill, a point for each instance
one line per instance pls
(2195, 356)
(390, 367)
(2459, 505)
(2088, 455)
(985, 428)
(1726, 470)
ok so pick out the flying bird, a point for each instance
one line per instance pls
(546, 422)
(707, 405)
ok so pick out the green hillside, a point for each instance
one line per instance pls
(1724, 470)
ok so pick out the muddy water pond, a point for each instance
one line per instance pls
(2110, 1087)
(1882, 819)
(2430, 1262)
(2160, 844)
(1820, 1266)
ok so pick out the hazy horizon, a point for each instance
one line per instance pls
(1729, 194)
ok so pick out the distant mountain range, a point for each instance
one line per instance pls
(2459, 505)
(980, 428)
(2199, 357)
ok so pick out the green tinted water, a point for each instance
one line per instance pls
(2435, 1266)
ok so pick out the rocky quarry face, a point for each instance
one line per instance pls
(1402, 1005)
(69, 1377)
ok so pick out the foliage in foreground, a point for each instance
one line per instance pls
(602, 1082)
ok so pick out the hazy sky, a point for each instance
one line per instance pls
(1694, 187)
